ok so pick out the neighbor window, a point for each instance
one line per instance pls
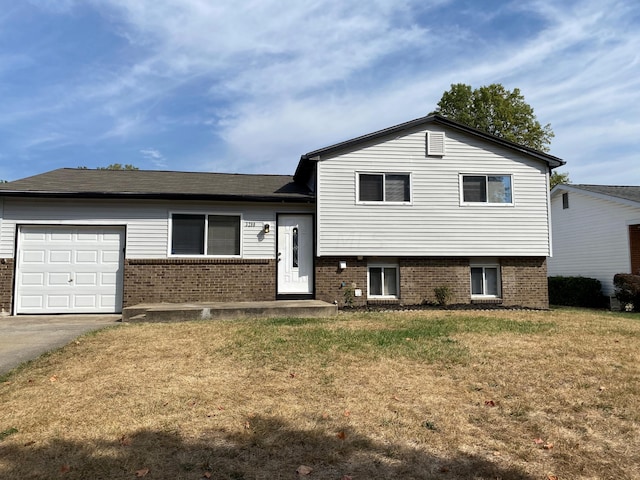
(485, 281)
(196, 234)
(384, 187)
(565, 201)
(487, 189)
(383, 281)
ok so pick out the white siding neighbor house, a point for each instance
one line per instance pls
(596, 232)
(383, 218)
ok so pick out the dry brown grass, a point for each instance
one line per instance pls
(434, 394)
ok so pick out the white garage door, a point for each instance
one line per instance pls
(69, 269)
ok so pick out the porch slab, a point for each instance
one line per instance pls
(182, 312)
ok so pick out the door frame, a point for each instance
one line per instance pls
(297, 296)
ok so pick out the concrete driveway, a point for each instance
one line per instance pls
(25, 337)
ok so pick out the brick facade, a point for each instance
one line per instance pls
(198, 280)
(524, 280)
(6, 285)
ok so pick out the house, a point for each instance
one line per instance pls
(382, 218)
(596, 232)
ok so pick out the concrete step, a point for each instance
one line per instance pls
(173, 312)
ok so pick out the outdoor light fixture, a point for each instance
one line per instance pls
(342, 265)
(266, 228)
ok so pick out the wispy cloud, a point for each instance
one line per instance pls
(155, 157)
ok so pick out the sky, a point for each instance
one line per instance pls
(249, 86)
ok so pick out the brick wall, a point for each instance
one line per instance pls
(524, 282)
(201, 280)
(634, 247)
(6, 285)
(420, 276)
(329, 279)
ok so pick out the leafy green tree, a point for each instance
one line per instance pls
(118, 166)
(495, 110)
(558, 178)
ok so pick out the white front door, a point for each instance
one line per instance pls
(69, 269)
(295, 254)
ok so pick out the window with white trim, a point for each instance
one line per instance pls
(384, 187)
(211, 235)
(383, 281)
(485, 281)
(486, 189)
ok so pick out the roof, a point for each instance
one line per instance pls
(621, 193)
(74, 182)
(306, 161)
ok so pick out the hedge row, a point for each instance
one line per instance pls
(576, 292)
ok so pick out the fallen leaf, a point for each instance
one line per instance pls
(496, 453)
(538, 441)
(65, 468)
(325, 416)
(304, 470)
(346, 477)
(347, 413)
(247, 425)
(206, 474)
(28, 444)
(548, 446)
(142, 472)
(53, 378)
(292, 375)
(341, 435)
(490, 403)
(602, 388)
(395, 397)
(552, 477)
(125, 441)
(220, 407)
(444, 469)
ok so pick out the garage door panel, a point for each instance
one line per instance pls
(60, 256)
(60, 236)
(86, 279)
(69, 269)
(56, 279)
(33, 256)
(87, 256)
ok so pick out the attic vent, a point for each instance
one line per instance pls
(435, 143)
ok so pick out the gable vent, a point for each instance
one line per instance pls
(435, 143)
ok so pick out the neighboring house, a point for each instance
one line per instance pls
(383, 218)
(596, 232)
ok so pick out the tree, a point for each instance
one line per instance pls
(495, 110)
(113, 166)
(118, 166)
(558, 178)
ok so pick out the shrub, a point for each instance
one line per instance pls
(576, 292)
(443, 295)
(628, 289)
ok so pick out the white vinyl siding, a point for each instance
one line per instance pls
(591, 237)
(435, 224)
(147, 222)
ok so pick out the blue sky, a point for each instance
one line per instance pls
(249, 86)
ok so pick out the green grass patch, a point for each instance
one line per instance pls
(430, 340)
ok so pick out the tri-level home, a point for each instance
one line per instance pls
(383, 218)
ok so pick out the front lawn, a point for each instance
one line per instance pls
(429, 394)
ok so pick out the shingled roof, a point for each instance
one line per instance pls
(628, 193)
(73, 182)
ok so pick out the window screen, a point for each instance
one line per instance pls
(371, 188)
(187, 235)
(223, 236)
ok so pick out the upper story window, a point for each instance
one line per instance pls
(384, 187)
(565, 201)
(487, 189)
(197, 234)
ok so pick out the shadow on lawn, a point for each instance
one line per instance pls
(268, 449)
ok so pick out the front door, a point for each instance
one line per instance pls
(295, 255)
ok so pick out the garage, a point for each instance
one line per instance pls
(69, 269)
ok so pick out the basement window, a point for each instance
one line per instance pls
(485, 281)
(383, 281)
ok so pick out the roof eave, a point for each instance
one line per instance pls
(162, 196)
